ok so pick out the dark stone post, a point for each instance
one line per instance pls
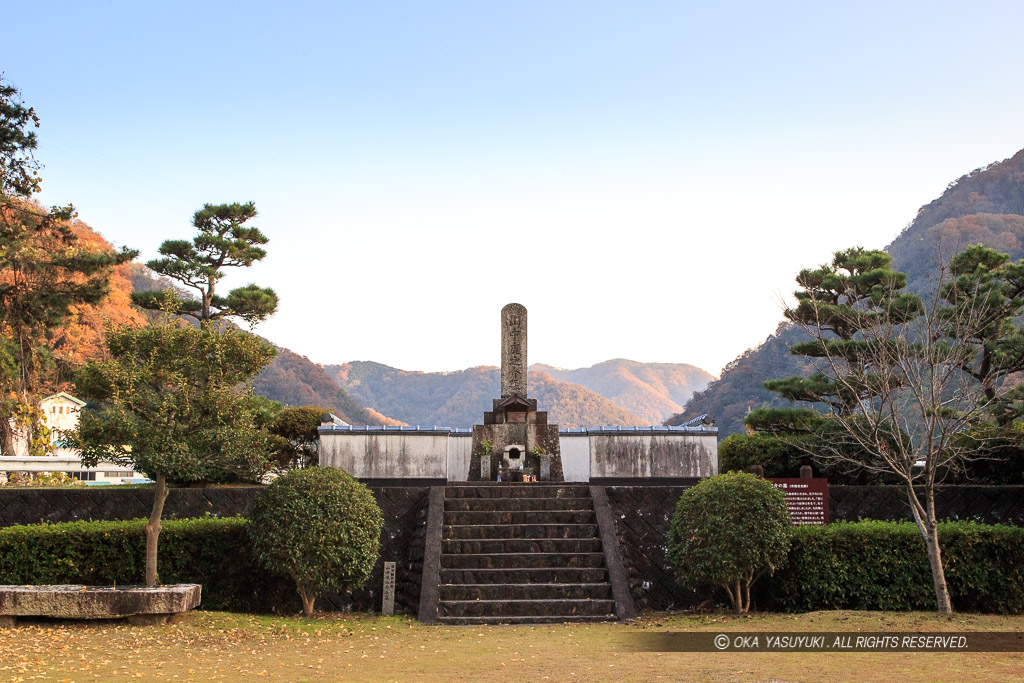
(806, 472)
(430, 586)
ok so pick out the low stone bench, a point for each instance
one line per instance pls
(140, 604)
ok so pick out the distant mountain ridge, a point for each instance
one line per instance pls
(651, 391)
(295, 380)
(459, 399)
(985, 206)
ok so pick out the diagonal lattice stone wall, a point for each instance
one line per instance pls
(31, 506)
(642, 516)
(984, 504)
(403, 508)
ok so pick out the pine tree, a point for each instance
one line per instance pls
(224, 241)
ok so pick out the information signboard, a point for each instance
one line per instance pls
(807, 499)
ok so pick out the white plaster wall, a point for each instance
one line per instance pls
(412, 455)
(575, 457)
(460, 449)
(386, 456)
(653, 455)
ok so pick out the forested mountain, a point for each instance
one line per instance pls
(297, 381)
(459, 399)
(83, 334)
(985, 206)
(651, 391)
(740, 389)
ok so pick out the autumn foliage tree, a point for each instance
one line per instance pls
(45, 271)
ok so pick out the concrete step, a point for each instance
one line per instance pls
(503, 490)
(527, 591)
(495, 621)
(528, 575)
(492, 517)
(525, 608)
(521, 545)
(487, 504)
(521, 531)
(521, 560)
(522, 553)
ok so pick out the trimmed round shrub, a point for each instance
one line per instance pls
(729, 530)
(319, 527)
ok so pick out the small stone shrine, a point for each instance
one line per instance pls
(515, 440)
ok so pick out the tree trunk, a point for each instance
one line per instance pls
(153, 529)
(6, 437)
(924, 517)
(308, 598)
(942, 600)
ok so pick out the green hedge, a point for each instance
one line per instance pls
(846, 565)
(211, 551)
(872, 565)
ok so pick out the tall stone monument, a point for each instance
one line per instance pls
(515, 441)
(513, 350)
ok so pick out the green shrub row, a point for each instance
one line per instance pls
(873, 565)
(214, 552)
(865, 565)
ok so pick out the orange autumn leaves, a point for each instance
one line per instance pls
(82, 336)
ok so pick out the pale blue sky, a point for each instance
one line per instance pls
(645, 177)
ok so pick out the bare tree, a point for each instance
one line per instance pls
(898, 394)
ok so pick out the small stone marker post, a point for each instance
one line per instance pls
(388, 605)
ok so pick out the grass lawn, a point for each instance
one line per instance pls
(221, 646)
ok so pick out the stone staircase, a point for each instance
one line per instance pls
(522, 554)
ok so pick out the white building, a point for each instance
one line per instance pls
(60, 413)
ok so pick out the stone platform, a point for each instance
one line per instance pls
(140, 604)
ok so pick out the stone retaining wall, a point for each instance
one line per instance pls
(404, 509)
(31, 506)
(641, 516)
